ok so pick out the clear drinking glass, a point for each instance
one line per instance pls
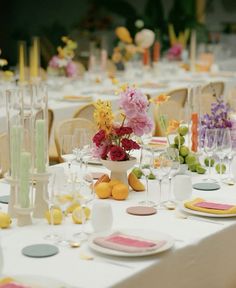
(210, 144)
(83, 140)
(230, 179)
(145, 163)
(161, 166)
(223, 146)
(68, 145)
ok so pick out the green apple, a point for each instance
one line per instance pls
(200, 169)
(138, 172)
(151, 176)
(179, 140)
(183, 151)
(208, 161)
(190, 159)
(222, 170)
(174, 146)
(181, 160)
(183, 130)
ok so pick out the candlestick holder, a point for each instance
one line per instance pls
(41, 186)
(23, 215)
(12, 200)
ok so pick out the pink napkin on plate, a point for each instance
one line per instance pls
(128, 243)
(212, 205)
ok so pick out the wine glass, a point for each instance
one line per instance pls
(173, 153)
(145, 162)
(82, 143)
(68, 146)
(161, 166)
(223, 145)
(210, 142)
(230, 179)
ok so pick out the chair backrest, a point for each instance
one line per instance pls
(68, 127)
(85, 112)
(209, 94)
(4, 154)
(173, 109)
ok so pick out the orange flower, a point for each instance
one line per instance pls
(160, 99)
(173, 125)
(123, 34)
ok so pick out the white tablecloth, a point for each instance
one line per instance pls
(203, 254)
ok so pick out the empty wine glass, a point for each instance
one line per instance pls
(223, 145)
(145, 162)
(161, 166)
(230, 179)
(82, 143)
(68, 146)
(210, 142)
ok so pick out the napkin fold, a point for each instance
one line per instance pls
(201, 205)
(128, 243)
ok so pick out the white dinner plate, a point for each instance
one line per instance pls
(38, 281)
(204, 214)
(146, 234)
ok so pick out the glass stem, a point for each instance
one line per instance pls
(160, 184)
(169, 190)
(209, 166)
(51, 217)
(230, 162)
(146, 194)
(221, 167)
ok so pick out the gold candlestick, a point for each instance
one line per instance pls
(22, 61)
(34, 59)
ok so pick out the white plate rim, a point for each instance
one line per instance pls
(159, 236)
(204, 214)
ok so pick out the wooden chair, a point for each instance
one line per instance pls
(4, 158)
(85, 112)
(68, 127)
(209, 93)
(173, 109)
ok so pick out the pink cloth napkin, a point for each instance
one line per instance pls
(212, 205)
(13, 285)
(128, 243)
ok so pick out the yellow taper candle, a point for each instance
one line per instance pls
(24, 180)
(41, 143)
(193, 44)
(22, 61)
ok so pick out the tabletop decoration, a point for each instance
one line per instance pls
(112, 142)
(125, 50)
(22, 61)
(62, 63)
(34, 60)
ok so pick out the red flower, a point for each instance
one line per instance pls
(99, 137)
(105, 151)
(121, 131)
(117, 153)
(128, 144)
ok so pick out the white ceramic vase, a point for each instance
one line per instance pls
(119, 168)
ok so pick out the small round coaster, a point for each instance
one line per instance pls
(206, 186)
(141, 210)
(4, 199)
(40, 250)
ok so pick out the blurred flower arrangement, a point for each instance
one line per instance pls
(113, 140)
(129, 48)
(7, 75)
(167, 126)
(3, 62)
(62, 64)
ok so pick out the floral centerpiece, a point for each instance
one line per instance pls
(114, 140)
(62, 64)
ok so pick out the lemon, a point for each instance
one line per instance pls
(62, 199)
(208, 161)
(103, 190)
(190, 159)
(184, 151)
(220, 168)
(120, 191)
(5, 220)
(72, 207)
(183, 130)
(114, 182)
(57, 216)
(179, 140)
(77, 215)
(200, 169)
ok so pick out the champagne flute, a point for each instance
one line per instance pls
(230, 179)
(82, 143)
(68, 145)
(210, 142)
(146, 161)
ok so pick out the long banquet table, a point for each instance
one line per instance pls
(203, 254)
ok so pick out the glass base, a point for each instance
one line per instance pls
(52, 237)
(81, 236)
(169, 204)
(147, 203)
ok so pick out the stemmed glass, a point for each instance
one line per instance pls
(161, 166)
(230, 179)
(210, 144)
(145, 162)
(224, 145)
(68, 146)
(82, 143)
(173, 153)
(49, 197)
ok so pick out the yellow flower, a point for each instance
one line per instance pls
(61, 52)
(64, 39)
(123, 34)
(160, 99)
(3, 62)
(122, 88)
(173, 125)
(103, 115)
(8, 75)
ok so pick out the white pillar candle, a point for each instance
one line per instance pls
(40, 143)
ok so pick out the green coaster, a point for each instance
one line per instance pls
(206, 186)
(40, 250)
(4, 199)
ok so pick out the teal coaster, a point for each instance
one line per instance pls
(4, 199)
(206, 186)
(40, 250)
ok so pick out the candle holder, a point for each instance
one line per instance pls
(41, 186)
(12, 200)
(23, 216)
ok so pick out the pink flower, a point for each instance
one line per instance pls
(101, 151)
(133, 102)
(117, 153)
(129, 144)
(53, 63)
(71, 69)
(141, 124)
(175, 52)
